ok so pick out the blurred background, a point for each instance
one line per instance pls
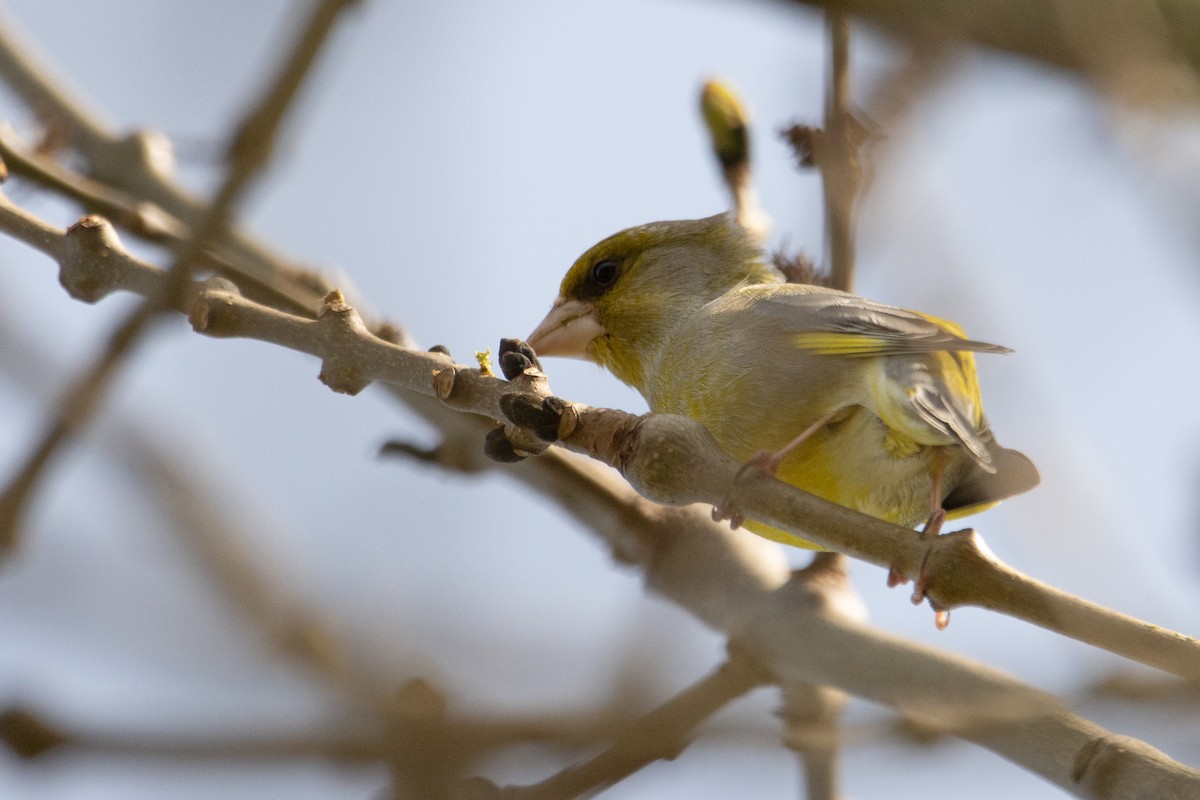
(448, 163)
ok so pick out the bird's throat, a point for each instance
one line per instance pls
(619, 358)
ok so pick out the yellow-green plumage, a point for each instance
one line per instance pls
(689, 315)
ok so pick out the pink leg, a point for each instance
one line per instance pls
(768, 462)
(933, 527)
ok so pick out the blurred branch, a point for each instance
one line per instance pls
(214, 538)
(811, 716)
(31, 735)
(249, 152)
(1147, 688)
(141, 218)
(661, 734)
(834, 150)
(1034, 28)
(841, 174)
(139, 164)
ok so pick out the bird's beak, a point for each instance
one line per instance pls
(567, 330)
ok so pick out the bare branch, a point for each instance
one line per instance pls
(661, 734)
(248, 153)
(841, 174)
(145, 220)
(139, 164)
(1031, 28)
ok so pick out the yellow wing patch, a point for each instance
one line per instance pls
(839, 344)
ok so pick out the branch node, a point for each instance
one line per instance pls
(1101, 763)
(540, 416)
(150, 150)
(419, 701)
(342, 328)
(343, 378)
(87, 266)
(443, 382)
(569, 421)
(646, 450)
(497, 447)
(946, 560)
(334, 303)
(213, 313)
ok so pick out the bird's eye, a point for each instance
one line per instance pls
(604, 272)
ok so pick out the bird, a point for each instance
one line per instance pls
(868, 405)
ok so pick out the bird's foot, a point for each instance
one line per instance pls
(725, 512)
(932, 529)
(897, 576)
(764, 461)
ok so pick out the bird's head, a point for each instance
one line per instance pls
(620, 299)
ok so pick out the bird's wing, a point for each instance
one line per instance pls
(933, 397)
(835, 323)
(946, 403)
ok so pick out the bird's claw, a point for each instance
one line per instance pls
(897, 576)
(723, 512)
(763, 460)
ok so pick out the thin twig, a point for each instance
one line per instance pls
(145, 220)
(661, 734)
(249, 152)
(215, 538)
(840, 171)
(1031, 28)
(138, 164)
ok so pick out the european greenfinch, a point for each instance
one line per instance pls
(868, 405)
